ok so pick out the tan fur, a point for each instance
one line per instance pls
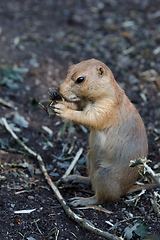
(117, 130)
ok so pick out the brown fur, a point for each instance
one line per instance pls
(117, 130)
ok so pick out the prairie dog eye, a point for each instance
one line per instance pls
(80, 80)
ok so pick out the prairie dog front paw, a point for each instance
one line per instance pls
(60, 110)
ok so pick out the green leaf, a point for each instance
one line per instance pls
(4, 80)
(17, 77)
(67, 124)
(7, 72)
(128, 231)
(20, 120)
(21, 70)
(141, 230)
(33, 105)
(13, 86)
(4, 143)
(11, 75)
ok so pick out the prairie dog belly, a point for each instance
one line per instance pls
(113, 148)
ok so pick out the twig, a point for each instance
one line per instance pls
(152, 174)
(114, 226)
(136, 197)
(155, 204)
(7, 104)
(73, 163)
(81, 221)
(56, 234)
(45, 108)
(143, 161)
(17, 139)
(100, 209)
(35, 222)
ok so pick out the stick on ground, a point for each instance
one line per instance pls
(72, 165)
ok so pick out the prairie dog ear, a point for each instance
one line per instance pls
(101, 71)
(70, 68)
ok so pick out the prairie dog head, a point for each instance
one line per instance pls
(88, 80)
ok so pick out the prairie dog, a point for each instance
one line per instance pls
(93, 98)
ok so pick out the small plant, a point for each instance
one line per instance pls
(138, 228)
(11, 75)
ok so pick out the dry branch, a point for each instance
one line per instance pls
(7, 104)
(81, 221)
(72, 165)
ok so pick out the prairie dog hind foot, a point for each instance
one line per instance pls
(76, 179)
(80, 201)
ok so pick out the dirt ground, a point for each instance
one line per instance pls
(39, 40)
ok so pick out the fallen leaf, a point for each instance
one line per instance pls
(19, 222)
(48, 130)
(141, 230)
(24, 211)
(20, 120)
(126, 35)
